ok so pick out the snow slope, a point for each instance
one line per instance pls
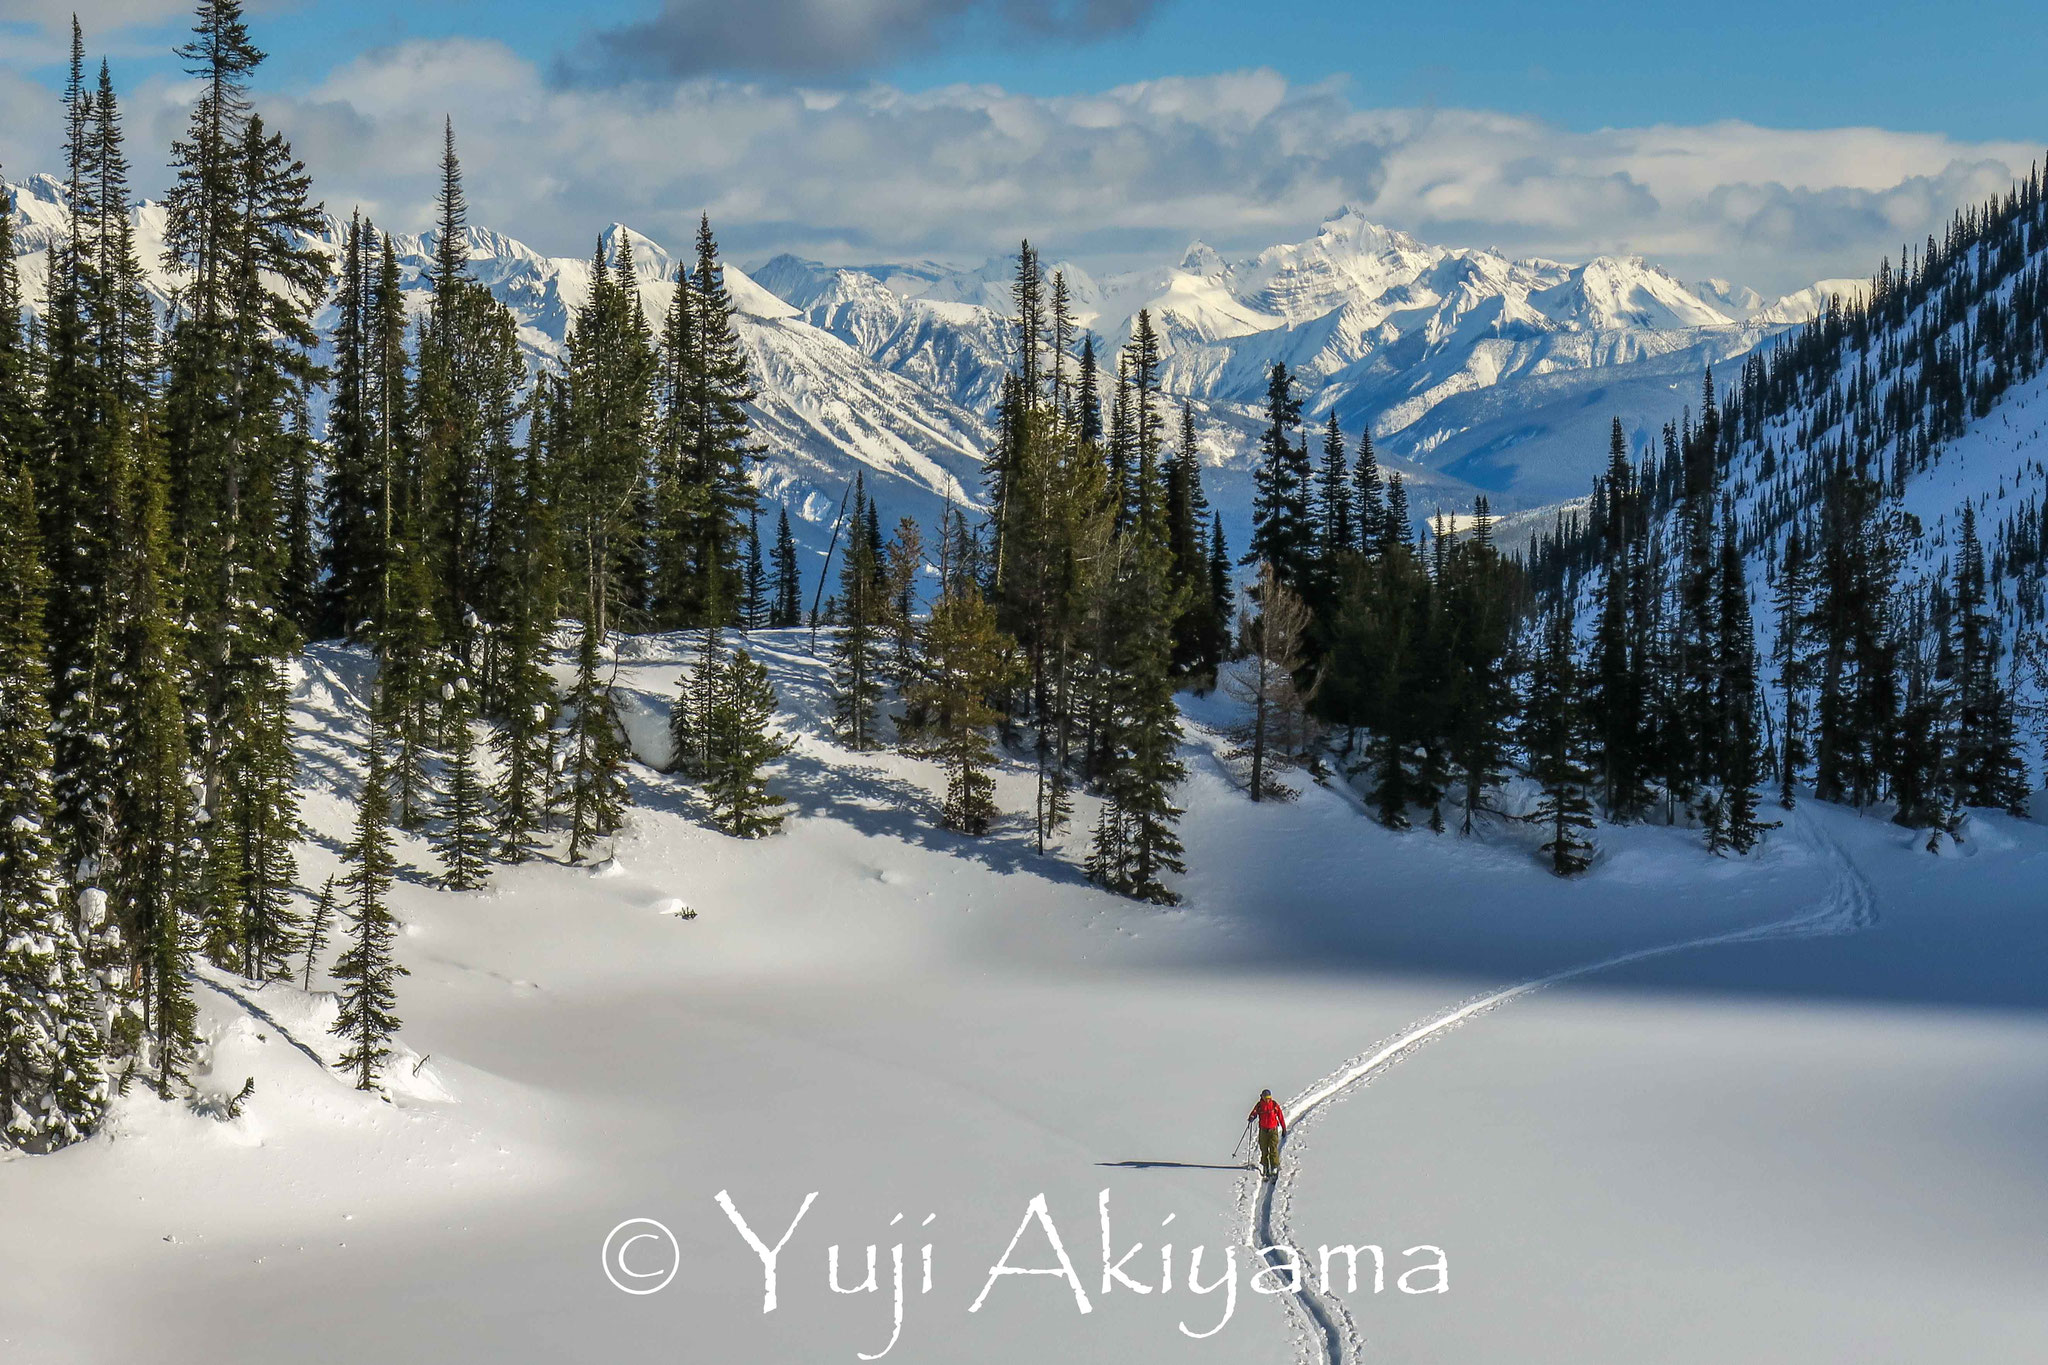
(1380, 328)
(1703, 1155)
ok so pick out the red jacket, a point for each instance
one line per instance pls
(1268, 1113)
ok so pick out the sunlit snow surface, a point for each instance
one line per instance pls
(1801, 1149)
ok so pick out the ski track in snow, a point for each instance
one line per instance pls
(1325, 1332)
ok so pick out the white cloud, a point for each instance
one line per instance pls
(1240, 160)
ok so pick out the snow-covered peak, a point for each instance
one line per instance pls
(1614, 293)
(1738, 301)
(1202, 259)
(1803, 304)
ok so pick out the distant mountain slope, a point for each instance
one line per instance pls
(1460, 360)
(826, 409)
(1381, 328)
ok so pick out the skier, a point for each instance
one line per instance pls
(1272, 1124)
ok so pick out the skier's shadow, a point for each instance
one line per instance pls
(1170, 1166)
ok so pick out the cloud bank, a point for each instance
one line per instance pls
(1240, 160)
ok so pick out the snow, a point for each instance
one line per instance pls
(896, 368)
(1768, 1144)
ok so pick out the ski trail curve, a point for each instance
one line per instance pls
(1329, 1334)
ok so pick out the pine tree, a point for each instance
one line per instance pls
(154, 855)
(368, 970)
(354, 489)
(1988, 769)
(1220, 588)
(52, 1088)
(1790, 601)
(966, 660)
(857, 650)
(1857, 674)
(1195, 634)
(1739, 758)
(317, 930)
(786, 585)
(19, 429)
(738, 745)
(1283, 527)
(902, 562)
(238, 223)
(1334, 496)
(1617, 701)
(464, 838)
(97, 408)
(1399, 529)
(706, 498)
(611, 370)
(594, 767)
(1475, 631)
(1369, 499)
(531, 575)
(753, 614)
(1554, 738)
(1135, 841)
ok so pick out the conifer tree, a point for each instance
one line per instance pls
(1739, 758)
(154, 855)
(1220, 590)
(354, 490)
(1475, 643)
(1554, 739)
(786, 585)
(1790, 601)
(531, 575)
(1399, 529)
(97, 407)
(902, 561)
(1283, 527)
(1369, 499)
(1195, 634)
(1334, 495)
(1857, 674)
(966, 660)
(463, 839)
(318, 927)
(1617, 699)
(1988, 769)
(19, 430)
(738, 745)
(857, 649)
(753, 614)
(595, 753)
(611, 368)
(1135, 842)
(367, 970)
(52, 1088)
(706, 499)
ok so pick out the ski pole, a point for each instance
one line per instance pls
(1240, 1139)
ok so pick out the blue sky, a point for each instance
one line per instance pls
(1969, 68)
(1768, 142)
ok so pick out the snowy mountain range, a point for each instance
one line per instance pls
(1477, 372)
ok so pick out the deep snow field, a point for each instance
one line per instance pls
(1817, 1134)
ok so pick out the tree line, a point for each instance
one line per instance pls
(173, 529)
